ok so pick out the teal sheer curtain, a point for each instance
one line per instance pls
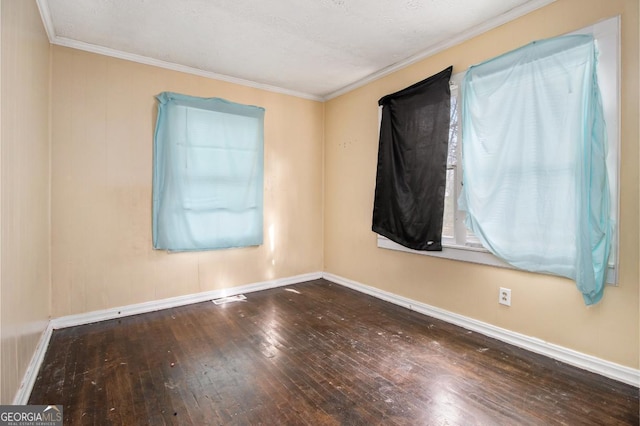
(534, 159)
(207, 174)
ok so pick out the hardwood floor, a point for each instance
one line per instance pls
(318, 354)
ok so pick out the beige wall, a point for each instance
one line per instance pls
(24, 190)
(103, 118)
(544, 307)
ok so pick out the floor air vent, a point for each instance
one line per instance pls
(223, 300)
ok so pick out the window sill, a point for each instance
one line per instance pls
(478, 255)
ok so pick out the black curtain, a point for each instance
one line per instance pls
(412, 163)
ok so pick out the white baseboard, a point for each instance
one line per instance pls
(31, 373)
(586, 362)
(172, 302)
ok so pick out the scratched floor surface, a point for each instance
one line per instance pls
(316, 354)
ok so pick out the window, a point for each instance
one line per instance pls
(458, 242)
(454, 232)
(411, 173)
(207, 174)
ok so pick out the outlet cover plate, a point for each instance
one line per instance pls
(504, 296)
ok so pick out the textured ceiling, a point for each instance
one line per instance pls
(313, 48)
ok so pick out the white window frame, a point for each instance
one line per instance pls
(467, 248)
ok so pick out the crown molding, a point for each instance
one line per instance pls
(511, 15)
(45, 14)
(88, 47)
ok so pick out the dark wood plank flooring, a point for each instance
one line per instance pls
(317, 354)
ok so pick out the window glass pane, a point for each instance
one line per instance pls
(448, 224)
(453, 131)
(448, 227)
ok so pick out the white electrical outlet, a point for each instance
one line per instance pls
(504, 297)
